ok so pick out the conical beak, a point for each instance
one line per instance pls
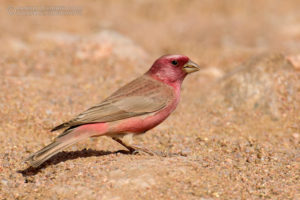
(191, 67)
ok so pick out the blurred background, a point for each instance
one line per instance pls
(212, 31)
(235, 134)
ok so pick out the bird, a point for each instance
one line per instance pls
(135, 108)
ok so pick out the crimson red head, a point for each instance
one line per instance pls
(172, 68)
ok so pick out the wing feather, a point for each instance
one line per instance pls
(141, 96)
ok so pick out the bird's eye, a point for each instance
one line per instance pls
(174, 62)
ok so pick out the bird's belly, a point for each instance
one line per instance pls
(142, 124)
(139, 124)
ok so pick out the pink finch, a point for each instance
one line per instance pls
(133, 109)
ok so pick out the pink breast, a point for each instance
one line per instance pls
(142, 124)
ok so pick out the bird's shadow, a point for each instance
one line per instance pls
(64, 156)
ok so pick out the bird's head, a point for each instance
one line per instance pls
(172, 68)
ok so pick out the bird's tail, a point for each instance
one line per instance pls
(68, 138)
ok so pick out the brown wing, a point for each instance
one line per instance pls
(141, 96)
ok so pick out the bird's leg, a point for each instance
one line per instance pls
(134, 149)
(130, 149)
(138, 149)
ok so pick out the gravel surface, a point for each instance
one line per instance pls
(235, 134)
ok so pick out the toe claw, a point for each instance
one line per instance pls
(135, 152)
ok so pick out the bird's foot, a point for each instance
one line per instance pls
(135, 149)
(142, 150)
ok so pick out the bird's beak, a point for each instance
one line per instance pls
(191, 67)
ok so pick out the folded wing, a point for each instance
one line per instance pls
(141, 96)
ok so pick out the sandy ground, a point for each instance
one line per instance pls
(235, 134)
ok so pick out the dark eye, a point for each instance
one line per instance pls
(174, 62)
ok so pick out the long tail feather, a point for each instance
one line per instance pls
(70, 137)
(63, 125)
